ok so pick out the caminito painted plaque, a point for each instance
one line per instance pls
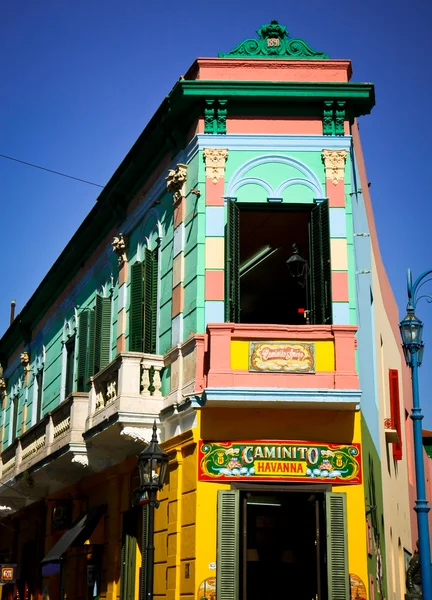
(279, 461)
(285, 357)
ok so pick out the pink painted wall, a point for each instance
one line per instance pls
(270, 70)
(392, 312)
(216, 356)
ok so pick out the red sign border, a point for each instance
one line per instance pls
(355, 481)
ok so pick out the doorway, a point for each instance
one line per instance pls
(282, 550)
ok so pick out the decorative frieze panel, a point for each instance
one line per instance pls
(334, 162)
(215, 159)
(176, 181)
(334, 117)
(215, 116)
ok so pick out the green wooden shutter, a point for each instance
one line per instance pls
(232, 263)
(91, 345)
(128, 556)
(227, 560)
(337, 547)
(102, 333)
(321, 268)
(82, 349)
(154, 299)
(150, 301)
(98, 327)
(136, 325)
(144, 542)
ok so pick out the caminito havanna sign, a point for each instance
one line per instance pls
(285, 357)
(281, 460)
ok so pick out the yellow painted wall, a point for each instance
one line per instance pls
(324, 355)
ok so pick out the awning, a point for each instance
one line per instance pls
(79, 532)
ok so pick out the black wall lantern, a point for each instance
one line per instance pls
(152, 467)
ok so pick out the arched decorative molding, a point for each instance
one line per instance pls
(310, 179)
(254, 181)
(297, 181)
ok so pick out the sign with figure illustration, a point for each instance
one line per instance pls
(284, 357)
(279, 461)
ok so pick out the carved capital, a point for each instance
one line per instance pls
(25, 359)
(176, 181)
(2, 385)
(334, 162)
(215, 159)
(119, 245)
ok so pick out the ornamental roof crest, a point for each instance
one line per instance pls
(274, 42)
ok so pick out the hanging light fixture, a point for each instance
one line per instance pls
(298, 267)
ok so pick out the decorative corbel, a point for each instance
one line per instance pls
(176, 181)
(25, 359)
(119, 245)
(334, 163)
(3, 391)
(215, 159)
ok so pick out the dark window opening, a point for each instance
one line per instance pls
(260, 287)
(70, 364)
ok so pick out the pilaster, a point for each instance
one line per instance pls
(176, 183)
(334, 164)
(215, 160)
(120, 246)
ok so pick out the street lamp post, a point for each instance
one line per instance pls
(411, 329)
(152, 466)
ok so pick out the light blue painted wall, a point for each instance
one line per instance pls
(365, 320)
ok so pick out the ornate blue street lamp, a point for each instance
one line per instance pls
(411, 329)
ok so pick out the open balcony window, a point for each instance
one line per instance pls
(260, 287)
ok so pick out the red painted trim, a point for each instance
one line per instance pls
(395, 410)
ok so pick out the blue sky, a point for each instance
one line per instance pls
(80, 80)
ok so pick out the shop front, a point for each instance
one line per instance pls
(289, 514)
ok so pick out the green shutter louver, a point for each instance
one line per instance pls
(144, 542)
(82, 349)
(136, 324)
(337, 547)
(232, 263)
(102, 332)
(227, 560)
(321, 268)
(150, 300)
(128, 556)
(91, 345)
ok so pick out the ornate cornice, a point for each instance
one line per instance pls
(176, 181)
(274, 42)
(119, 246)
(215, 159)
(334, 162)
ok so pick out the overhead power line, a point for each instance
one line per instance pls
(23, 162)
